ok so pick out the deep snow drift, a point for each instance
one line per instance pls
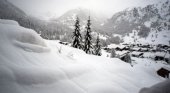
(29, 64)
(162, 87)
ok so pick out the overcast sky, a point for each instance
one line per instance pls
(50, 8)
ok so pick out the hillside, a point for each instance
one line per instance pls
(152, 17)
(150, 23)
(47, 29)
(9, 11)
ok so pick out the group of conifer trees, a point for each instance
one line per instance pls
(86, 43)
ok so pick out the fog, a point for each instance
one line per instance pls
(54, 8)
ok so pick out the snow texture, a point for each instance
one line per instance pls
(11, 22)
(30, 64)
(162, 87)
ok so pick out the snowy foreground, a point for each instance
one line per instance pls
(29, 64)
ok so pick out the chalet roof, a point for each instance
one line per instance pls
(165, 67)
(162, 54)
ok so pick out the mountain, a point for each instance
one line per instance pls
(47, 29)
(144, 20)
(69, 18)
(147, 20)
(9, 11)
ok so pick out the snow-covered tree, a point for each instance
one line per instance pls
(88, 38)
(113, 53)
(128, 58)
(76, 35)
(97, 47)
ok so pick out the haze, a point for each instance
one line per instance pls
(46, 9)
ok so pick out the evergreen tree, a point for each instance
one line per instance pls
(128, 58)
(88, 38)
(97, 47)
(76, 35)
(135, 12)
(113, 53)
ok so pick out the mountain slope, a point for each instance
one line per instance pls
(48, 30)
(156, 16)
(144, 20)
(69, 17)
(9, 11)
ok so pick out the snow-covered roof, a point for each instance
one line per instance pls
(115, 46)
(162, 54)
(136, 53)
(136, 48)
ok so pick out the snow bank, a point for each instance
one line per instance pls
(26, 39)
(9, 22)
(63, 69)
(162, 87)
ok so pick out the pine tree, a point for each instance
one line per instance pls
(76, 35)
(128, 58)
(88, 38)
(113, 53)
(97, 47)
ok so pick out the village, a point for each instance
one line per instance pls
(156, 52)
(129, 52)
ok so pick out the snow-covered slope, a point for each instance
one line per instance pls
(9, 22)
(30, 64)
(9, 11)
(155, 17)
(154, 38)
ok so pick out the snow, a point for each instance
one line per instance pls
(162, 87)
(102, 24)
(11, 22)
(24, 38)
(154, 38)
(136, 53)
(136, 48)
(105, 53)
(102, 37)
(121, 52)
(148, 23)
(31, 47)
(149, 55)
(30, 64)
(162, 54)
(115, 46)
(117, 35)
(163, 37)
(95, 34)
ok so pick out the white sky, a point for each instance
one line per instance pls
(50, 8)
